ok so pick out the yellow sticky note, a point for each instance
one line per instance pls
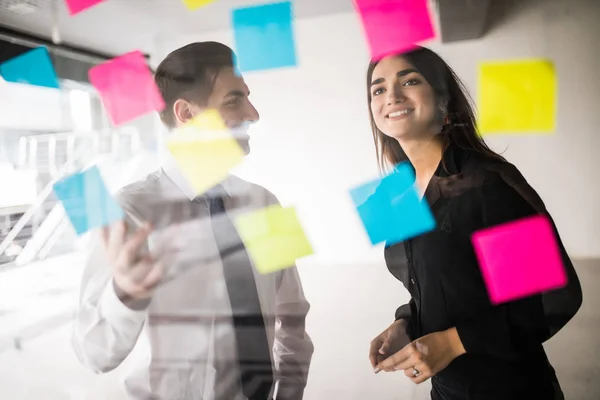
(273, 237)
(517, 97)
(194, 4)
(205, 151)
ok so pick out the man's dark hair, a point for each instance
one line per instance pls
(190, 73)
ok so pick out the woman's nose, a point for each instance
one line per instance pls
(396, 95)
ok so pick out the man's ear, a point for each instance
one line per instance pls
(183, 111)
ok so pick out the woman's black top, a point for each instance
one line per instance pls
(469, 192)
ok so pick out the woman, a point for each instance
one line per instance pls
(420, 113)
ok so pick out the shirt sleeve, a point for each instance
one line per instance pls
(104, 330)
(404, 311)
(509, 330)
(293, 347)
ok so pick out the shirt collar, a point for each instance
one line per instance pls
(450, 165)
(171, 170)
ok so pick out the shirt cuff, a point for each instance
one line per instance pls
(117, 313)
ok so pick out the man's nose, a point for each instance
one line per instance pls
(251, 113)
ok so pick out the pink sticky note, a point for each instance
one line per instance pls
(519, 259)
(126, 87)
(77, 6)
(394, 26)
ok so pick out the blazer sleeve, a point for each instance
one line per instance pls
(509, 330)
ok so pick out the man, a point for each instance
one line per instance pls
(209, 326)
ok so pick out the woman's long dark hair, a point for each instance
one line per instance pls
(448, 88)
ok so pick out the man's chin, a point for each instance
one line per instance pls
(244, 144)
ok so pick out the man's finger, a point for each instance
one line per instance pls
(139, 272)
(118, 232)
(154, 276)
(131, 248)
(105, 233)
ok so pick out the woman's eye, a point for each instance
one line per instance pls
(377, 91)
(411, 82)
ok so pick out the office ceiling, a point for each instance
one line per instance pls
(117, 26)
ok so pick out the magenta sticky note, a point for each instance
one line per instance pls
(519, 259)
(77, 6)
(126, 87)
(394, 26)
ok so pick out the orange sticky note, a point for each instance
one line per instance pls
(205, 150)
(194, 4)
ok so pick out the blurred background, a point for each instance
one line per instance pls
(313, 143)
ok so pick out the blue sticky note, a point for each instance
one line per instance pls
(390, 208)
(264, 37)
(33, 67)
(86, 201)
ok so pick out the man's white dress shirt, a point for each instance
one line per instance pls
(188, 324)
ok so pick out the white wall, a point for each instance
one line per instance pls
(314, 125)
(314, 142)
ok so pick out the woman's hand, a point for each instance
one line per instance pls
(388, 342)
(428, 355)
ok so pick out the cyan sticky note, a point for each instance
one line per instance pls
(519, 259)
(394, 26)
(77, 6)
(86, 201)
(33, 67)
(126, 87)
(264, 37)
(390, 208)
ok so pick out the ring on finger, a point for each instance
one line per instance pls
(416, 372)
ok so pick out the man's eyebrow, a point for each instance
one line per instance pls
(237, 93)
(400, 74)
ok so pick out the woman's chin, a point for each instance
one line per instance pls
(398, 134)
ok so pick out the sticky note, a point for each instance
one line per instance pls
(33, 67)
(204, 150)
(519, 259)
(390, 208)
(394, 26)
(264, 37)
(517, 96)
(126, 87)
(77, 6)
(273, 237)
(86, 201)
(194, 4)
